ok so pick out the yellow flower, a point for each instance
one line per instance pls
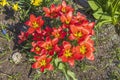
(36, 2)
(3, 3)
(15, 7)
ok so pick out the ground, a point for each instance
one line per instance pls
(106, 65)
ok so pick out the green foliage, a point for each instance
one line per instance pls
(63, 67)
(107, 11)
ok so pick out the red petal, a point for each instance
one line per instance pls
(56, 48)
(48, 39)
(52, 8)
(63, 3)
(38, 30)
(55, 41)
(64, 59)
(42, 69)
(41, 23)
(58, 8)
(28, 23)
(71, 37)
(69, 16)
(78, 56)
(48, 60)
(85, 31)
(30, 30)
(35, 65)
(33, 44)
(71, 62)
(46, 10)
(73, 28)
(32, 18)
(39, 58)
(49, 67)
(91, 25)
(63, 18)
(66, 45)
(90, 56)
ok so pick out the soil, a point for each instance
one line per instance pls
(106, 65)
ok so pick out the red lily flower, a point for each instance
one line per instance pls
(43, 63)
(22, 37)
(58, 33)
(50, 45)
(78, 33)
(66, 18)
(65, 8)
(35, 23)
(47, 31)
(85, 49)
(90, 27)
(68, 54)
(53, 12)
(80, 19)
(38, 36)
(37, 48)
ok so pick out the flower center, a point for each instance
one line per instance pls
(43, 62)
(63, 9)
(37, 48)
(67, 21)
(83, 49)
(48, 47)
(35, 24)
(57, 35)
(67, 53)
(78, 34)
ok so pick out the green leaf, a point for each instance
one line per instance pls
(56, 61)
(93, 5)
(61, 66)
(71, 74)
(100, 23)
(97, 14)
(100, 15)
(37, 76)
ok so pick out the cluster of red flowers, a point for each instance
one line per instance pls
(70, 41)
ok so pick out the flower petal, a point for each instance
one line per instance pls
(66, 45)
(39, 58)
(90, 56)
(49, 67)
(71, 62)
(32, 18)
(35, 65)
(69, 16)
(30, 30)
(55, 41)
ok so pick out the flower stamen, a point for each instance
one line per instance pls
(83, 49)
